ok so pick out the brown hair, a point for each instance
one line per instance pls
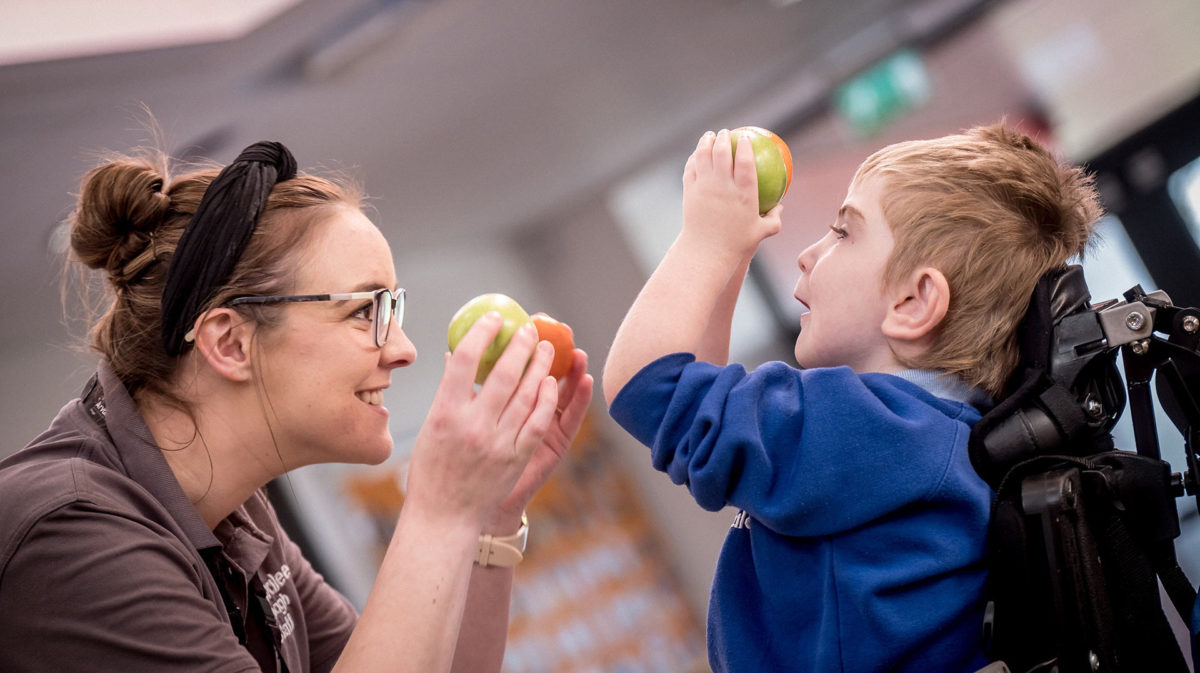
(993, 210)
(128, 220)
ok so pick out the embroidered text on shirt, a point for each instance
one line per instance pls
(273, 583)
(741, 520)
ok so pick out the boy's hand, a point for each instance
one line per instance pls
(720, 198)
(687, 304)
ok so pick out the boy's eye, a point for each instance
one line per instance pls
(840, 232)
(364, 311)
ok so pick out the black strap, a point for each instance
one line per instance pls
(261, 610)
(1147, 641)
(1179, 589)
(212, 559)
(258, 610)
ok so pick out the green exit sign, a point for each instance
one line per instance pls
(888, 89)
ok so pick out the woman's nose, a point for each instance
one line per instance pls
(399, 351)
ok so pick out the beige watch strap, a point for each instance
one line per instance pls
(505, 551)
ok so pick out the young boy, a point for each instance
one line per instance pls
(860, 537)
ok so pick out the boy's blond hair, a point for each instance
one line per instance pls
(993, 210)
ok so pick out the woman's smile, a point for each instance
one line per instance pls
(371, 397)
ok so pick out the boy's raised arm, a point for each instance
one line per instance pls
(721, 231)
(714, 344)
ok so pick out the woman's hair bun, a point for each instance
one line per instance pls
(121, 203)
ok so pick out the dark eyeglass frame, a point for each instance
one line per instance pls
(386, 303)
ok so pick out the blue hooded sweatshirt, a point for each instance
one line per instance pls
(860, 533)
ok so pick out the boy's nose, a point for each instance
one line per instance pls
(806, 257)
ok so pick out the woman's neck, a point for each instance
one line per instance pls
(218, 461)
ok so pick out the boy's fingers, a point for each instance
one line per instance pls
(773, 219)
(703, 152)
(689, 169)
(722, 151)
(743, 160)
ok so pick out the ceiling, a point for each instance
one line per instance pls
(34, 30)
(462, 117)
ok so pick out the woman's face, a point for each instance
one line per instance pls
(322, 372)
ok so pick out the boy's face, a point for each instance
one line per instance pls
(840, 283)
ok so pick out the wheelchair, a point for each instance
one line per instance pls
(1082, 533)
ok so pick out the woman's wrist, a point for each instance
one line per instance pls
(503, 521)
(504, 551)
(441, 514)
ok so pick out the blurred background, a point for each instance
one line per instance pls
(535, 148)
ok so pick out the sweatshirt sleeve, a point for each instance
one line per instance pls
(806, 452)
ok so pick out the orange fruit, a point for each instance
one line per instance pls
(560, 335)
(785, 153)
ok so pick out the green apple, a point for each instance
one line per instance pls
(514, 317)
(772, 162)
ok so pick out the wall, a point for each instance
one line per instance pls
(590, 276)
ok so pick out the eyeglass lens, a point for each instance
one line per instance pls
(387, 305)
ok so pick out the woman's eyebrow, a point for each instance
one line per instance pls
(368, 286)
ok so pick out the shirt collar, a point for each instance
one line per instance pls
(243, 542)
(143, 459)
(947, 386)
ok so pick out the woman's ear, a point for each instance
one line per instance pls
(918, 306)
(223, 339)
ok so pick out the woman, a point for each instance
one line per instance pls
(254, 326)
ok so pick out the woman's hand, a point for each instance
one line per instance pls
(476, 444)
(574, 396)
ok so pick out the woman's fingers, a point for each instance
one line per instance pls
(574, 395)
(523, 399)
(502, 382)
(571, 405)
(534, 426)
(459, 377)
(482, 443)
(515, 394)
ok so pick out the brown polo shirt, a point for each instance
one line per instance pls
(102, 562)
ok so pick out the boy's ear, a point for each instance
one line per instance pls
(223, 339)
(918, 306)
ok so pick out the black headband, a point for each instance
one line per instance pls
(213, 241)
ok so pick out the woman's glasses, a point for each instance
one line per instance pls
(386, 306)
